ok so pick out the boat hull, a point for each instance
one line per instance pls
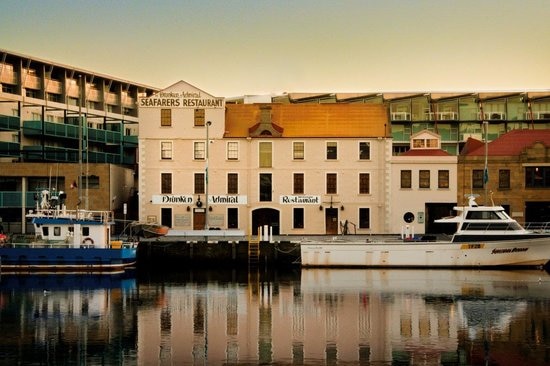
(62, 259)
(533, 252)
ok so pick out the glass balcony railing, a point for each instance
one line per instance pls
(68, 131)
(9, 123)
(9, 149)
(14, 199)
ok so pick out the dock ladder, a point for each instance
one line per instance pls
(253, 251)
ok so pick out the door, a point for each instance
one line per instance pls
(166, 217)
(199, 219)
(331, 221)
(265, 216)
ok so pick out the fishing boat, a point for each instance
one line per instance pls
(67, 240)
(486, 236)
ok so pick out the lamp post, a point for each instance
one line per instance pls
(208, 123)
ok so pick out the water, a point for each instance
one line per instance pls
(281, 317)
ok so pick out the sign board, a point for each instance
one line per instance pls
(183, 99)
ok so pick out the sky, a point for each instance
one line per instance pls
(243, 47)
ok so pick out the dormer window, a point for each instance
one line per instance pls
(425, 143)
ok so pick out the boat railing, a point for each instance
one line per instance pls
(492, 227)
(88, 215)
(537, 227)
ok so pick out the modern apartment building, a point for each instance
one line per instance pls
(65, 129)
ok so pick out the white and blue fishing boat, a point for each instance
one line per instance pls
(67, 240)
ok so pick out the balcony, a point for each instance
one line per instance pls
(537, 115)
(441, 116)
(50, 153)
(130, 141)
(9, 149)
(491, 116)
(35, 128)
(9, 123)
(400, 116)
(14, 199)
(32, 82)
(104, 136)
(9, 77)
(54, 86)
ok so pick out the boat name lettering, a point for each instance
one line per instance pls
(509, 250)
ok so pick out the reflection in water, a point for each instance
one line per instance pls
(313, 316)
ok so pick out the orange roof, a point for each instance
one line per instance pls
(310, 120)
(512, 143)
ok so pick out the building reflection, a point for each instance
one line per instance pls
(339, 316)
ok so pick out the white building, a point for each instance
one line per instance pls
(300, 169)
(423, 186)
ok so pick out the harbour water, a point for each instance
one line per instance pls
(277, 317)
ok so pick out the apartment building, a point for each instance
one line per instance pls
(65, 129)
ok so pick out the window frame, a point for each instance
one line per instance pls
(331, 183)
(232, 183)
(199, 117)
(443, 179)
(232, 150)
(166, 150)
(478, 178)
(265, 156)
(331, 150)
(199, 183)
(265, 193)
(424, 177)
(298, 183)
(298, 218)
(361, 151)
(404, 178)
(504, 176)
(199, 150)
(165, 117)
(364, 183)
(297, 152)
(166, 183)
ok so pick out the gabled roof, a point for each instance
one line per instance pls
(512, 143)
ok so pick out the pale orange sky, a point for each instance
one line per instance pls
(231, 48)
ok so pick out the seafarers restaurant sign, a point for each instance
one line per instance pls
(184, 99)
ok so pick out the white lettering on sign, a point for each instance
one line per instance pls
(181, 100)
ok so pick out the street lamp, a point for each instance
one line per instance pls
(208, 124)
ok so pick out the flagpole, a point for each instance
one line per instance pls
(486, 169)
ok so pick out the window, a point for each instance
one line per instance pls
(364, 183)
(199, 117)
(166, 183)
(406, 179)
(57, 231)
(166, 150)
(199, 152)
(232, 218)
(298, 150)
(331, 183)
(232, 150)
(265, 187)
(298, 218)
(332, 151)
(298, 183)
(537, 177)
(504, 178)
(265, 155)
(232, 183)
(443, 179)
(364, 218)
(364, 151)
(477, 178)
(199, 183)
(166, 117)
(91, 182)
(424, 179)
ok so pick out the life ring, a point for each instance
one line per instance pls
(88, 241)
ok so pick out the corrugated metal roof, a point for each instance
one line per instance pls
(512, 143)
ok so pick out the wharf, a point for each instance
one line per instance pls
(218, 249)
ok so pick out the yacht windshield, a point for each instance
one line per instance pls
(483, 215)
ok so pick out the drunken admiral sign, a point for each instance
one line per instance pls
(184, 99)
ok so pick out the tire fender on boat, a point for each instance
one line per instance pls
(88, 241)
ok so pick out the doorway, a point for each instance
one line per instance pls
(265, 216)
(331, 221)
(199, 219)
(166, 217)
